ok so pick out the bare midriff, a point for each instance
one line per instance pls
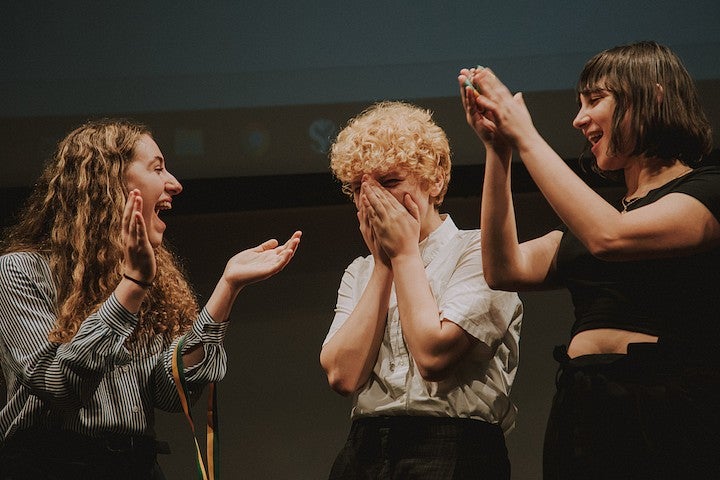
(606, 340)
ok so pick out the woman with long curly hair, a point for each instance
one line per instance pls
(92, 305)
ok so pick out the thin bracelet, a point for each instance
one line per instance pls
(138, 282)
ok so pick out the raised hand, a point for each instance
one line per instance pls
(139, 256)
(477, 117)
(256, 264)
(371, 240)
(396, 225)
(493, 111)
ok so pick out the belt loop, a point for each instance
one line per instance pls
(560, 355)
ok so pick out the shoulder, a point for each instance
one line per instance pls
(23, 261)
(360, 264)
(24, 266)
(467, 243)
(468, 236)
(702, 184)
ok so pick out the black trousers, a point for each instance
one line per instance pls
(62, 455)
(635, 416)
(427, 448)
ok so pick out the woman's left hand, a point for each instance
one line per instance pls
(500, 111)
(256, 264)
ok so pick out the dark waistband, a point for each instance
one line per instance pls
(419, 425)
(648, 353)
(68, 443)
(643, 363)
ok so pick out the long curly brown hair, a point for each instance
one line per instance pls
(74, 217)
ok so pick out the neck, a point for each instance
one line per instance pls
(431, 222)
(644, 175)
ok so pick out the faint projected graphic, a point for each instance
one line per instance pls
(255, 140)
(322, 132)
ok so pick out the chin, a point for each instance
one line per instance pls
(155, 240)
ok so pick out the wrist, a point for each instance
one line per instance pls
(144, 284)
(528, 142)
(403, 258)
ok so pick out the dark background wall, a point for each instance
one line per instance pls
(279, 419)
(244, 98)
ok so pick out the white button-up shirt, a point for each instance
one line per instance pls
(478, 388)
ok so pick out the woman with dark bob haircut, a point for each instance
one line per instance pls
(92, 305)
(638, 386)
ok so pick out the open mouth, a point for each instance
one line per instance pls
(594, 138)
(162, 206)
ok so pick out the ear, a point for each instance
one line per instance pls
(659, 93)
(437, 186)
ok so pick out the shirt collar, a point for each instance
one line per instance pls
(434, 242)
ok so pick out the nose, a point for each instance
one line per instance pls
(172, 185)
(581, 119)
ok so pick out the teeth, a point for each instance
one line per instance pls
(163, 206)
(594, 138)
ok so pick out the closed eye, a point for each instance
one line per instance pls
(391, 182)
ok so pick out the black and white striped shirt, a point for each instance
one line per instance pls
(93, 384)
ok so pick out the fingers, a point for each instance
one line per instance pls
(272, 244)
(379, 201)
(293, 242)
(134, 229)
(411, 206)
(130, 207)
(266, 245)
(138, 229)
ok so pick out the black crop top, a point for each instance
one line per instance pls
(674, 298)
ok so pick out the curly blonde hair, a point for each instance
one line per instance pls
(74, 217)
(391, 136)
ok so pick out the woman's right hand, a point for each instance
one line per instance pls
(371, 240)
(479, 119)
(139, 256)
(500, 118)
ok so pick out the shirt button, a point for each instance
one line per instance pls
(392, 366)
(135, 409)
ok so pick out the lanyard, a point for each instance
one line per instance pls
(213, 439)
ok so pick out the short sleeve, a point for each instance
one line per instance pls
(703, 185)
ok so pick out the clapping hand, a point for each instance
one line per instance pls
(261, 262)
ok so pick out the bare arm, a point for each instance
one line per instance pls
(675, 224)
(350, 355)
(249, 266)
(507, 264)
(435, 344)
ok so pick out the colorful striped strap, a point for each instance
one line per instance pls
(213, 439)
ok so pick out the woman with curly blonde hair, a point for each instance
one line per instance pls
(92, 305)
(427, 351)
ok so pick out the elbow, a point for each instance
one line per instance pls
(499, 282)
(341, 385)
(434, 369)
(498, 276)
(603, 248)
(441, 366)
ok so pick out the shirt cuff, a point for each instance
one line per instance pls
(208, 330)
(117, 317)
